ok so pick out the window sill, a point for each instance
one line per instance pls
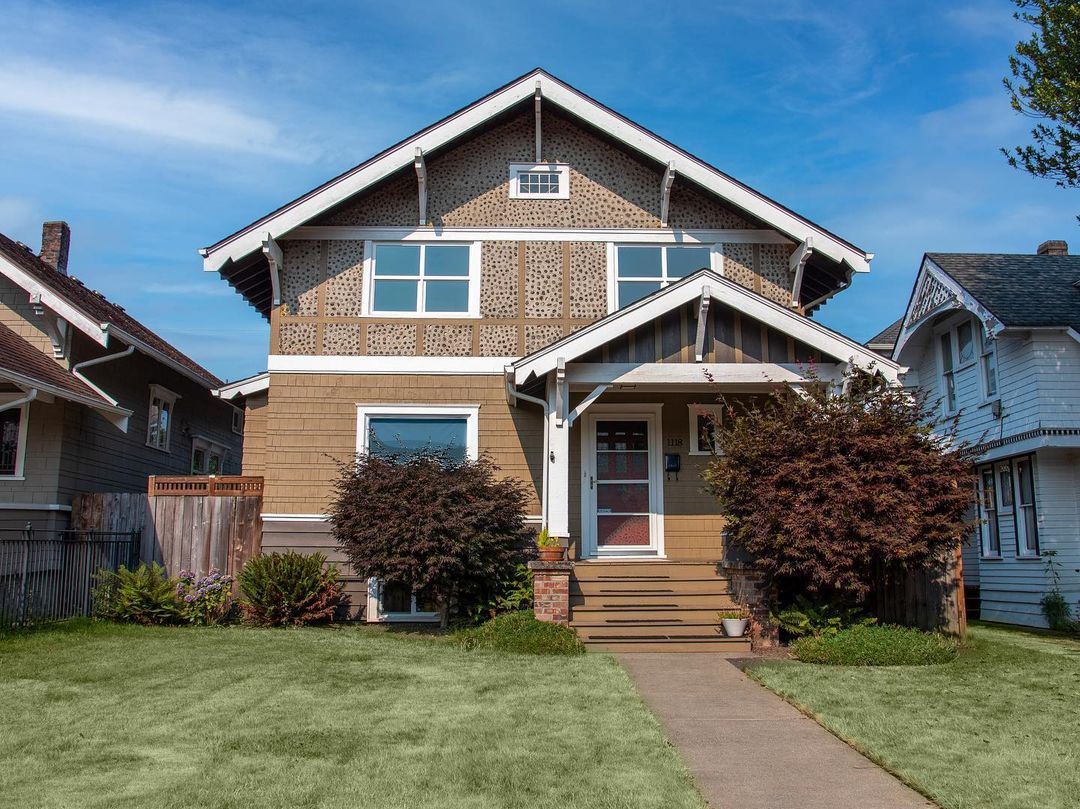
(14, 478)
(159, 449)
(420, 316)
(996, 558)
(408, 618)
(1028, 557)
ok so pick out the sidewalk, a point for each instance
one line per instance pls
(748, 749)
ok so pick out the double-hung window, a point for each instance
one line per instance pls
(207, 457)
(12, 440)
(398, 430)
(948, 377)
(988, 364)
(641, 270)
(1027, 527)
(160, 417)
(426, 279)
(989, 534)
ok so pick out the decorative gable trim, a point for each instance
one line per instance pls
(701, 284)
(936, 291)
(381, 166)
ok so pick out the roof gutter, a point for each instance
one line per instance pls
(76, 371)
(29, 397)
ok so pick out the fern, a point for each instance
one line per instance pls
(289, 589)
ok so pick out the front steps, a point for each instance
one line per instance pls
(651, 606)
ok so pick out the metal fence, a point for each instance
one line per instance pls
(50, 577)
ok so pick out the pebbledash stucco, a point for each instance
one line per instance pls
(531, 293)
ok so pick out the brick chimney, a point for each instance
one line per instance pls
(55, 243)
(1054, 247)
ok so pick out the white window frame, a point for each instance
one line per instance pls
(20, 450)
(470, 412)
(517, 169)
(473, 278)
(166, 396)
(989, 522)
(364, 412)
(716, 411)
(988, 350)
(1027, 547)
(209, 447)
(716, 264)
(951, 404)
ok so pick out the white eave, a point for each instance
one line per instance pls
(297, 213)
(243, 387)
(691, 288)
(114, 413)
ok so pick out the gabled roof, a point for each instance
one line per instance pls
(1023, 291)
(242, 388)
(690, 288)
(27, 367)
(249, 239)
(884, 341)
(90, 311)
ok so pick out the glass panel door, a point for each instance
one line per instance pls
(623, 488)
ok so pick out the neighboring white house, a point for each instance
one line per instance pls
(996, 340)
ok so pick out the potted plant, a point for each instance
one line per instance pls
(549, 547)
(734, 621)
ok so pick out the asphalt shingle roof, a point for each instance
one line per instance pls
(1023, 291)
(887, 336)
(19, 357)
(97, 306)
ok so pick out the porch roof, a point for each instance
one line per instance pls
(702, 285)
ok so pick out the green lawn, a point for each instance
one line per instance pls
(999, 728)
(122, 716)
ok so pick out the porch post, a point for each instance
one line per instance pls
(558, 459)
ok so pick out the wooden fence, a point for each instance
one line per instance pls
(932, 599)
(182, 531)
(220, 485)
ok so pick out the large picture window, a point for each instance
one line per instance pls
(401, 429)
(12, 441)
(641, 270)
(433, 280)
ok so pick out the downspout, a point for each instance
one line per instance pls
(31, 396)
(514, 394)
(76, 371)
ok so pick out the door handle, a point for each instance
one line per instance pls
(592, 480)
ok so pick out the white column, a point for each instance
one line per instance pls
(558, 460)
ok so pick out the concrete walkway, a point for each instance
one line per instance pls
(748, 749)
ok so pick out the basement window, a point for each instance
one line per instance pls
(539, 181)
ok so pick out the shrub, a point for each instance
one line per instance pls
(205, 599)
(829, 491)
(805, 617)
(448, 528)
(1055, 607)
(145, 595)
(511, 594)
(876, 646)
(289, 589)
(521, 633)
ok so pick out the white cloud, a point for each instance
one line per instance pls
(157, 111)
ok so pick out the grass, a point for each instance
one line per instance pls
(98, 715)
(996, 729)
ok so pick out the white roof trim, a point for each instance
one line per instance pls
(622, 129)
(55, 301)
(244, 387)
(961, 299)
(703, 282)
(114, 413)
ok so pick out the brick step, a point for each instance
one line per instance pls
(639, 585)
(639, 600)
(592, 615)
(599, 571)
(719, 645)
(641, 630)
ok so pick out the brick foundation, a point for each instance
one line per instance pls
(551, 591)
(750, 591)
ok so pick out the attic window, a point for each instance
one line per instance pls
(539, 181)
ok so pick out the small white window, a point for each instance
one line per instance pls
(411, 279)
(13, 438)
(539, 181)
(207, 457)
(989, 366)
(705, 420)
(159, 428)
(238, 421)
(398, 602)
(641, 270)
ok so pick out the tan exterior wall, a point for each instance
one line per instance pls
(531, 293)
(311, 424)
(256, 415)
(16, 314)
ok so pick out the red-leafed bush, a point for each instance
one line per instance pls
(450, 529)
(829, 491)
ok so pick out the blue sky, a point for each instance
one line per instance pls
(156, 129)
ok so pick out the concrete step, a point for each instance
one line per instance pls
(640, 600)
(599, 571)
(720, 644)
(592, 615)
(647, 585)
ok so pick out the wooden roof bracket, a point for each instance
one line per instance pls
(665, 193)
(55, 326)
(274, 258)
(797, 265)
(537, 95)
(421, 181)
(703, 315)
(595, 394)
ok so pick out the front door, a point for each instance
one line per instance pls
(621, 486)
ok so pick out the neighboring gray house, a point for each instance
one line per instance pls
(90, 399)
(996, 338)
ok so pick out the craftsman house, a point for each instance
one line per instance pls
(996, 340)
(90, 399)
(537, 278)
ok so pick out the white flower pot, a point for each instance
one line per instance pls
(734, 627)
